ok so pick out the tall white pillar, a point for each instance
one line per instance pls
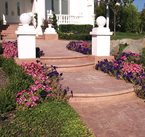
(60, 7)
(34, 6)
(41, 11)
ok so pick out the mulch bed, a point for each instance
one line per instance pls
(3, 78)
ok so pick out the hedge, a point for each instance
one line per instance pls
(71, 28)
(68, 36)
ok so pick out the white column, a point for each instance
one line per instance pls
(34, 6)
(107, 15)
(60, 7)
(41, 15)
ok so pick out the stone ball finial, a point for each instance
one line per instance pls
(25, 19)
(101, 21)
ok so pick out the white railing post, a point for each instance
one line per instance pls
(67, 19)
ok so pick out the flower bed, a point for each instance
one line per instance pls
(80, 46)
(10, 49)
(126, 66)
(46, 85)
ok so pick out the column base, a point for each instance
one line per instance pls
(51, 36)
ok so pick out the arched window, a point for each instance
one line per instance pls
(18, 8)
(6, 8)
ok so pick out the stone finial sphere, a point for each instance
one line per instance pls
(101, 21)
(25, 19)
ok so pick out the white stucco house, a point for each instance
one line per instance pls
(67, 11)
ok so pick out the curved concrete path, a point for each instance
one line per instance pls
(114, 116)
(108, 106)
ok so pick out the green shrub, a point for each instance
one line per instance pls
(68, 36)
(1, 49)
(54, 22)
(18, 81)
(75, 28)
(1, 22)
(142, 60)
(122, 47)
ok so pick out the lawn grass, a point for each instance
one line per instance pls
(127, 35)
(51, 119)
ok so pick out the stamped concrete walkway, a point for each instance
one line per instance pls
(107, 106)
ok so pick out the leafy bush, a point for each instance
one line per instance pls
(18, 81)
(75, 32)
(76, 29)
(54, 22)
(142, 60)
(1, 49)
(126, 66)
(80, 46)
(122, 47)
(71, 36)
(1, 22)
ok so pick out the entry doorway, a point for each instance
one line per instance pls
(12, 9)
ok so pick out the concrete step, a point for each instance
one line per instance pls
(40, 37)
(9, 32)
(75, 63)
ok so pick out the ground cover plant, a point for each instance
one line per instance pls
(34, 103)
(80, 46)
(51, 119)
(127, 66)
(127, 35)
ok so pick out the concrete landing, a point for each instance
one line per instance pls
(92, 83)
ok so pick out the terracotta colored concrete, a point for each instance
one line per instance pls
(92, 83)
(115, 116)
(51, 36)
(56, 48)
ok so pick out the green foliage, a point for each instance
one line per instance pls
(127, 35)
(143, 57)
(77, 29)
(100, 10)
(54, 22)
(18, 81)
(142, 17)
(1, 22)
(129, 19)
(122, 47)
(75, 32)
(69, 36)
(1, 49)
(52, 119)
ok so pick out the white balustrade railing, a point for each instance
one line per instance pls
(67, 19)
